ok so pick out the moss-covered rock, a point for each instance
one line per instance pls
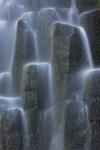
(11, 130)
(24, 52)
(92, 98)
(91, 21)
(76, 126)
(45, 19)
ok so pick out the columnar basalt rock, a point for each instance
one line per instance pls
(92, 98)
(91, 21)
(29, 87)
(11, 130)
(44, 21)
(24, 52)
(60, 59)
(77, 62)
(34, 90)
(76, 130)
(34, 104)
(68, 58)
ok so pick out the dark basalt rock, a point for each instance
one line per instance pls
(45, 19)
(60, 59)
(77, 62)
(5, 83)
(29, 87)
(11, 130)
(91, 21)
(68, 58)
(40, 129)
(92, 97)
(76, 126)
(35, 86)
(24, 52)
(35, 96)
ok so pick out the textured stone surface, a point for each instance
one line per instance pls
(91, 23)
(24, 52)
(35, 86)
(40, 129)
(68, 58)
(35, 96)
(60, 59)
(45, 19)
(77, 62)
(76, 126)
(11, 132)
(92, 97)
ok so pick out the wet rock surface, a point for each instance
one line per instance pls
(24, 52)
(35, 106)
(92, 97)
(47, 34)
(34, 90)
(68, 58)
(76, 126)
(91, 21)
(60, 58)
(45, 19)
(77, 62)
(11, 130)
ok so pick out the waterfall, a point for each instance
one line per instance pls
(11, 12)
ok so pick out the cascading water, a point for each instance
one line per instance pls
(10, 13)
